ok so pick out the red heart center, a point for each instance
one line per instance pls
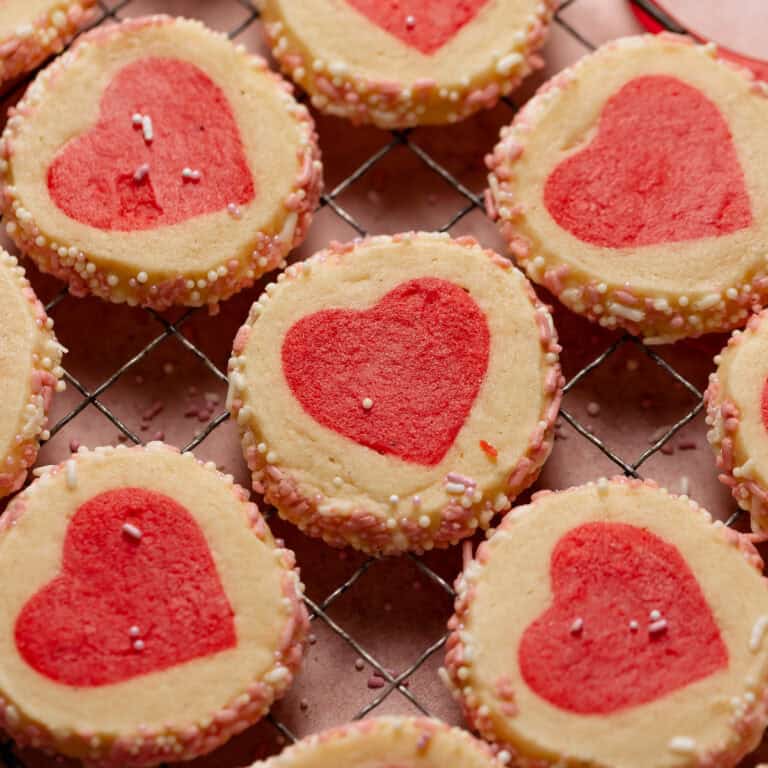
(628, 623)
(661, 169)
(157, 118)
(138, 592)
(399, 378)
(422, 24)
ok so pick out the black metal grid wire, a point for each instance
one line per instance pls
(319, 610)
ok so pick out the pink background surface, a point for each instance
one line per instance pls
(394, 609)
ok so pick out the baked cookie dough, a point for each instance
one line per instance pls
(395, 393)
(30, 372)
(406, 62)
(156, 163)
(148, 614)
(632, 188)
(405, 742)
(613, 624)
(737, 413)
(33, 30)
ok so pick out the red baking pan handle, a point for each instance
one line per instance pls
(657, 18)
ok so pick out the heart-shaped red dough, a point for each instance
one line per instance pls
(426, 25)
(94, 178)
(164, 586)
(608, 575)
(419, 355)
(662, 168)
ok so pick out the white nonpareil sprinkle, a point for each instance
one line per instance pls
(577, 626)
(134, 631)
(137, 119)
(71, 474)
(191, 174)
(367, 403)
(654, 615)
(138, 645)
(634, 625)
(758, 631)
(682, 744)
(129, 529)
(410, 22)
(146, 128)
(394, 499)
(424, 522)
(234, 210)
(657, 626)
(141, 172)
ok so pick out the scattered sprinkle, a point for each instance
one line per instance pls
(71, 474)
(634, 625)
(146, 128)
(657, 626)
(359, 665)
(138, 645)
(134, 631)
(137, 119)
(489, 450)
(424, 521)
(593, 408)
(685, 485)
(394, 499)
(654, 615)
(129, 529)
(190, 174)
(367, 403)
(74, 445)
(141, 172)
(577, 626)
(682, 744)
(374, 681)
(410, 22)
(234, 210)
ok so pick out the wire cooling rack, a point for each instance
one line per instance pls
(355, 653)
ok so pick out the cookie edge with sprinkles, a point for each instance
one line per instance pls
(642, 314)
(184, 741)
(746, 728)
(372, 534)
(429, 727)
(46, 379)
(336, 90)
(77, 268)
(33, 43)
(723, 419)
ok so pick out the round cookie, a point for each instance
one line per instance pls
(395, 393)
(148, 614)
(30, 372)
(631, 187)
(156, 163)
(32, 30)
(613, 624)
(737, 414)
(406, 62)
(382, 742)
